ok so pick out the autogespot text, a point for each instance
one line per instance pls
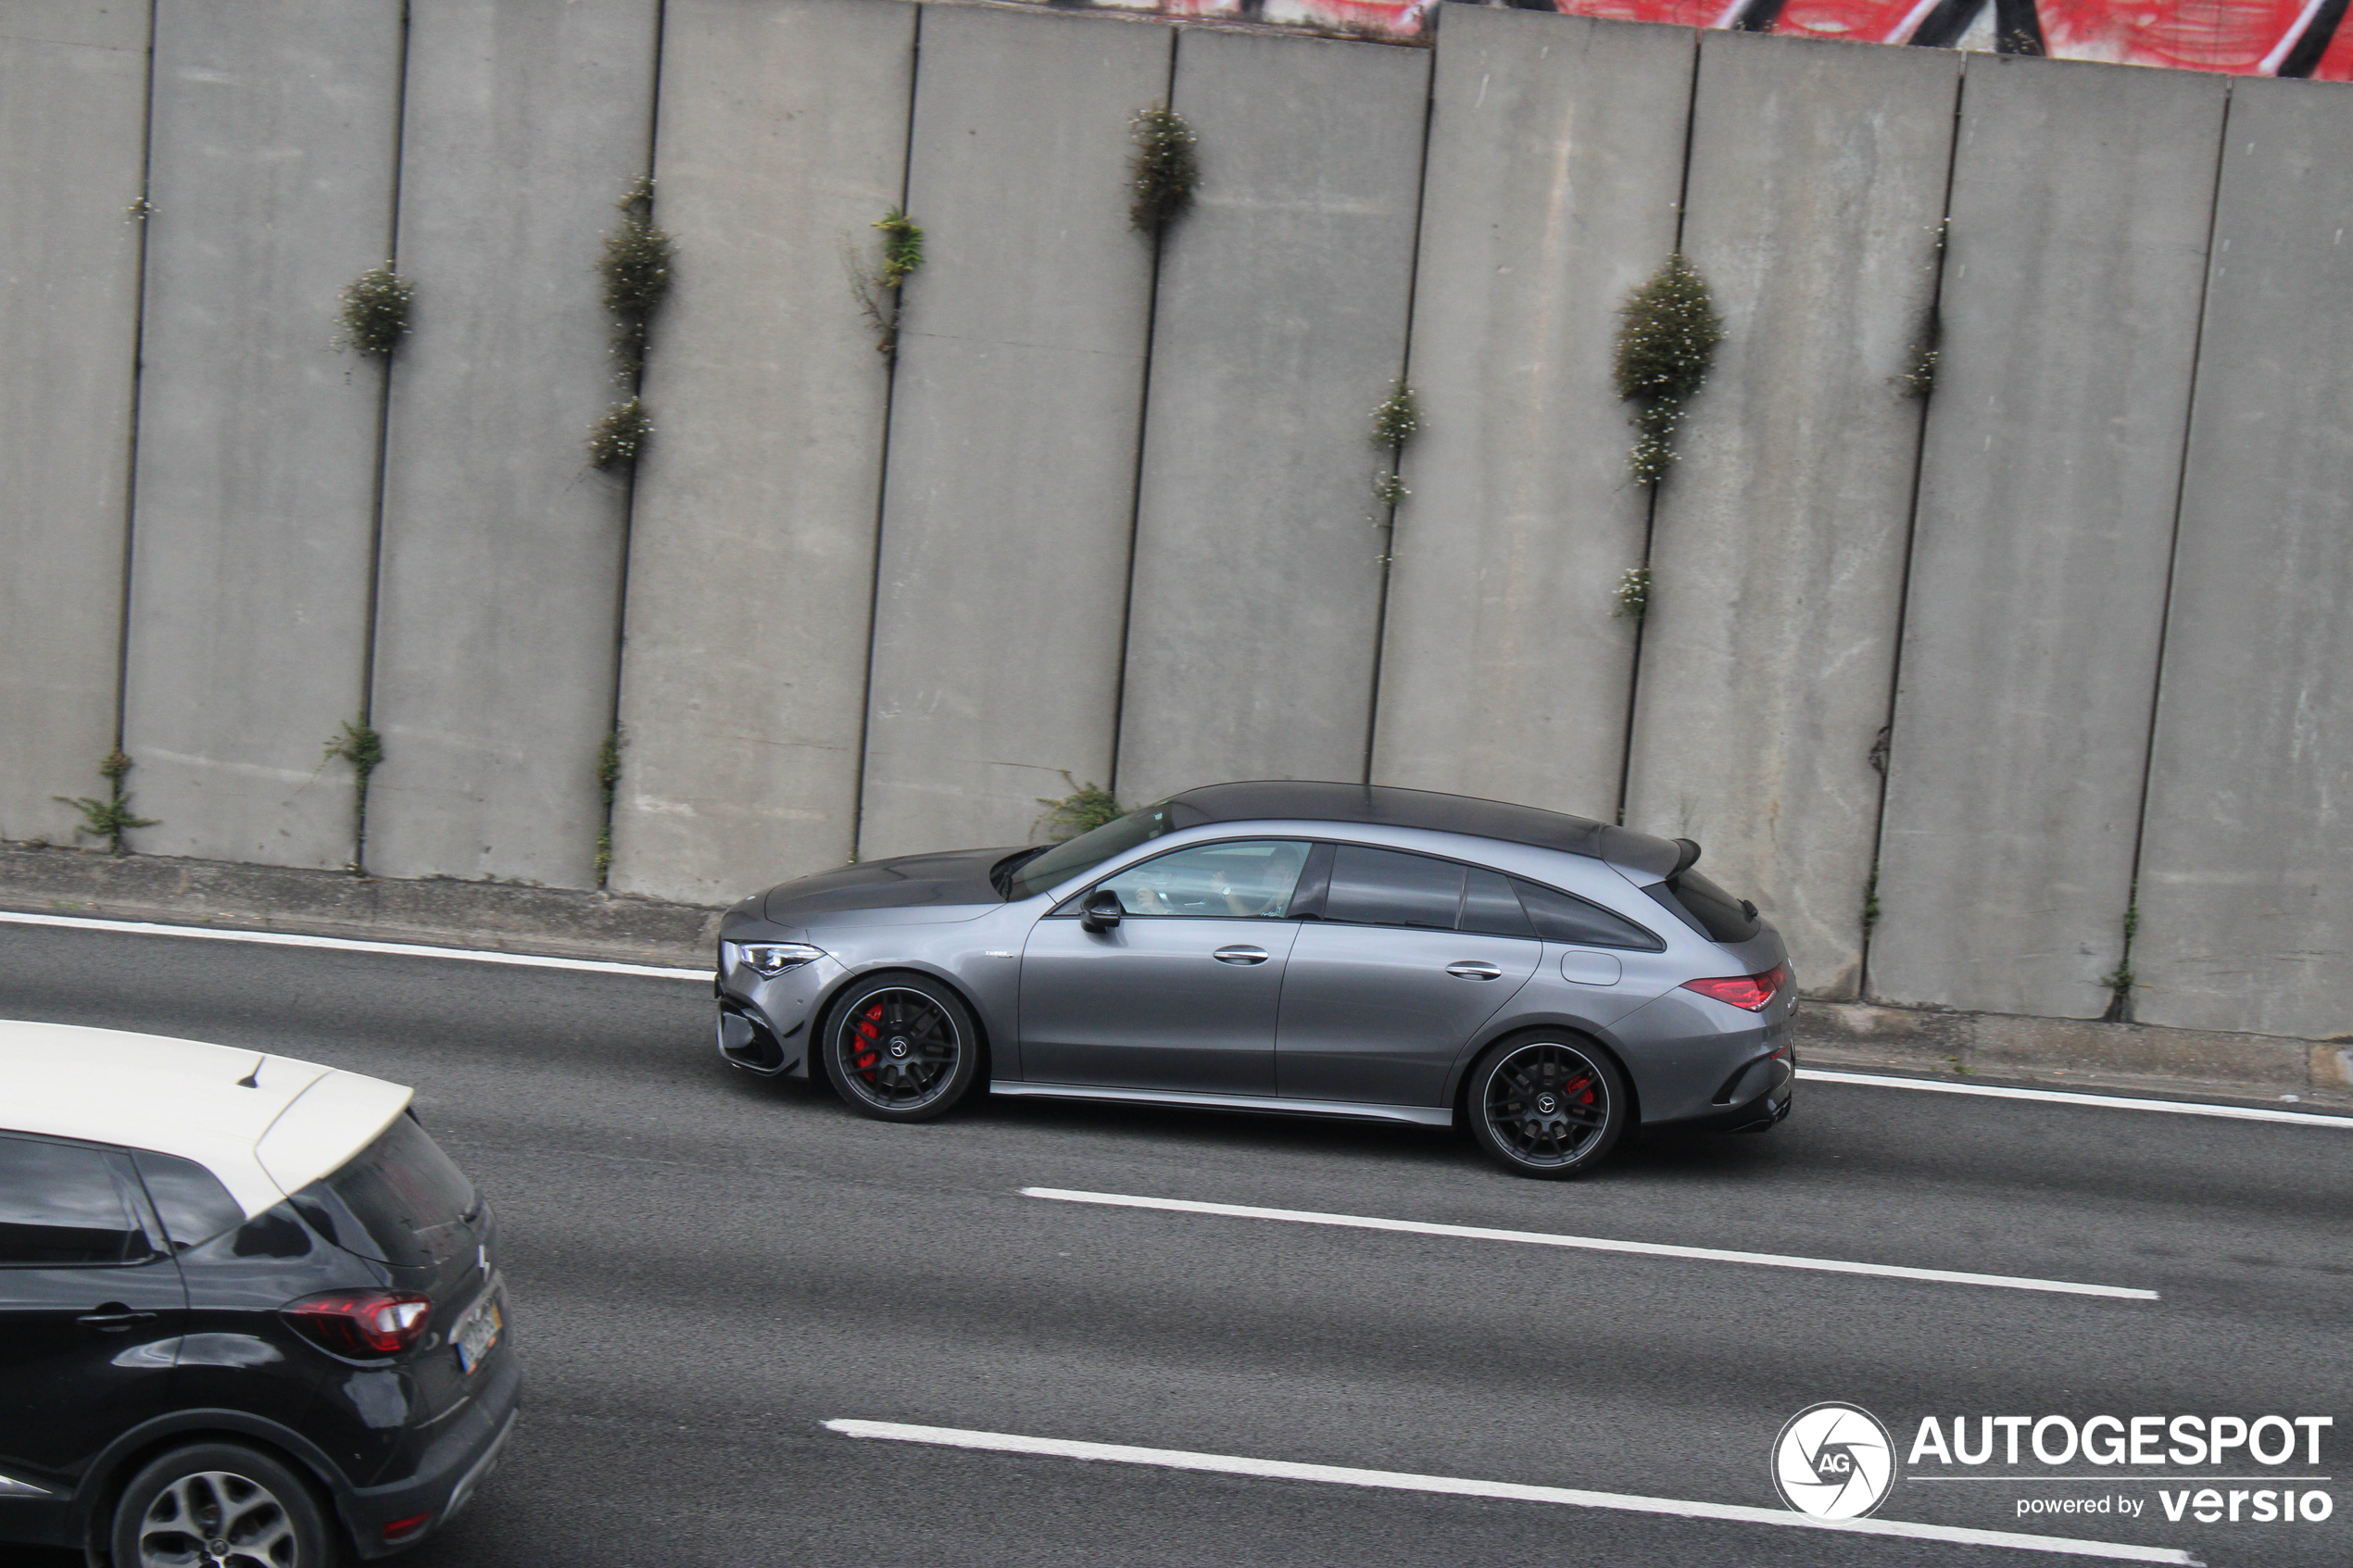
(2168, 1445)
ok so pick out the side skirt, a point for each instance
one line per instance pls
(1417, 1115)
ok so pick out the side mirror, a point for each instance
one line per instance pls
(1102, 911)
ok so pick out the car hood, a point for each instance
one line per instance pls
(907, 882)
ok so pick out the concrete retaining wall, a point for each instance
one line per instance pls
(272, 174)
(1057, 400)
(784, 133)
(495, 645)
(1768, 653)
(1560, 143)
(2244, 904)
(1012, 476)
(73, 95)
(2082, 201)
(1281, 323)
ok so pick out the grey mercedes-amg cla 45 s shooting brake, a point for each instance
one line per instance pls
(1315, 949)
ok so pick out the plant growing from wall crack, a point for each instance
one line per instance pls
(1918, 379)
(1085, 808)
(1633, 594)
(2119, 980)
(1664, 348)
(609, 783)
(637, 268)
(363, 749)
(376, 311)
(111, 818)
(880, 289)
(1164, 172)
(1395, 419)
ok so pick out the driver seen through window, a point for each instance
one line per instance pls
(1251, 879)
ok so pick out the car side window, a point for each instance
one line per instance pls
(1390, 887)
(1563, 917)
(1491, 908)
(1250, 879)
(189, 1200)
(66, 1206)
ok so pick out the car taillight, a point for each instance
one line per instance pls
(362, 1323)
(1750, 991)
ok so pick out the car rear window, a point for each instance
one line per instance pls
(1707, 908)
(1563, 917)
(399, 1200)
(63, 1206)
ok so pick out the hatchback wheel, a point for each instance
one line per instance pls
(1548, 1107)
(902, 1048)
(219, 1503)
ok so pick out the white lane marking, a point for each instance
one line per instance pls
(2065, 1097)
(349, 945)
(1591, 1243)
(1405, 1481)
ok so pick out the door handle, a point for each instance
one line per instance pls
(1239, 955)
(113, 1317)
(1474, 969)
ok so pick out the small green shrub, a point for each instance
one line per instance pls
(619, 438)
(878, 289)
(1633, 594)
(1163, 172)
(1666, 346)
(1389, 490)
(111, 818)
(363, 748)
(1396, 418)
(636, 271)
(902, 247)
(376, 311)
(1085, 808)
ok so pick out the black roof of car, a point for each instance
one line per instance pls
(1301, 800)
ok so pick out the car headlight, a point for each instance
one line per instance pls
(771, 959)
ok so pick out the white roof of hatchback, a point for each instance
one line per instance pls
(266, 1125)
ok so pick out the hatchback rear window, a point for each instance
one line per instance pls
(1707, 908)
(399, 1200)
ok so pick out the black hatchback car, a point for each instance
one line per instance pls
(250, 1313)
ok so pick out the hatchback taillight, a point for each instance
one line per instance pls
(1750, 991)
(363, 1323)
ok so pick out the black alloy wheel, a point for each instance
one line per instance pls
(1547, 1106)
(902, 1048)
(219, 1505)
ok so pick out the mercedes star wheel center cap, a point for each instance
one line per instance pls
(898, 1048)
(1546, 1104)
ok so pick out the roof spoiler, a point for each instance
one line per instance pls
(1686, 857)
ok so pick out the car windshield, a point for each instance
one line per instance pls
(1066, 860)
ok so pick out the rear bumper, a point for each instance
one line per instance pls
(457, 1463)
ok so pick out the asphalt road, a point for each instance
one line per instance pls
(705, 1266)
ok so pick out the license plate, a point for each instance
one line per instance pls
(477, 1332)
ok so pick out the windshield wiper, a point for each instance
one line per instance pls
(1001, 875)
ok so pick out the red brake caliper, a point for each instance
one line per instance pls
(869, 1031)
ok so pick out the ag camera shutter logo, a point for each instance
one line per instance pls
(1833, 1462)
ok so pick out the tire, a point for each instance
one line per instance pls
(900, 1047)
(221, 1503)
(1549, 1106)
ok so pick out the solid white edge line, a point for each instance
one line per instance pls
(1591, 1243)
(2067, 1097)
(349, 944)
(1405, 1481)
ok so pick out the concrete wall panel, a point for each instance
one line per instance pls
(1283, 299)
(73, 93)
(2247, 862)
(495, 645)
(1011, 486)
(1556, 161)
(2081, 203)
(752, 568)
(254, 531)
(1769, 657)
